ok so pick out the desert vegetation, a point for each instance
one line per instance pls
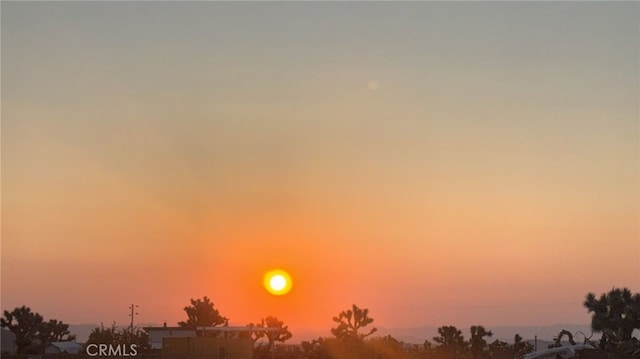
(615, 315)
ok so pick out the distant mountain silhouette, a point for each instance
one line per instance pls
(415, 335)
(82, 331)
(545, 333)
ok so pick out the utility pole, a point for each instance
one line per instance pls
(133, 314)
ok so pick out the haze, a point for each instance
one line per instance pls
(438, 163)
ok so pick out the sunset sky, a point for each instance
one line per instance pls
(438, 163)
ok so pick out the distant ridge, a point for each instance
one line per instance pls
(414, 335)
(544, 333)
(82, 331)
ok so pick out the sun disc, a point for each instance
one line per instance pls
(277, 282)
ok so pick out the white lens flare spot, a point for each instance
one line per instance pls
(373, 85)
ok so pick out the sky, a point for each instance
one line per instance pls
(440, 163)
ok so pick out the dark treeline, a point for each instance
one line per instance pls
(353, 337)
(615, 314)
(33, 333)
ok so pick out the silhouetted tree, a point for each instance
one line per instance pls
(427, 347)
(115, 336)
(102, 335)
(280, 335)
(388, 347)
(477, 344)
(350, 322)
(500, 350)
(450, 336)
(136, 336)
(56, 331)
(25, 325)
(317, 349)
(53, 331)
(33, 334)
(202, 313)
(520, 347)
(618, 311)
(450, 342)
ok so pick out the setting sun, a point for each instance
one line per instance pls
(277, 282)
